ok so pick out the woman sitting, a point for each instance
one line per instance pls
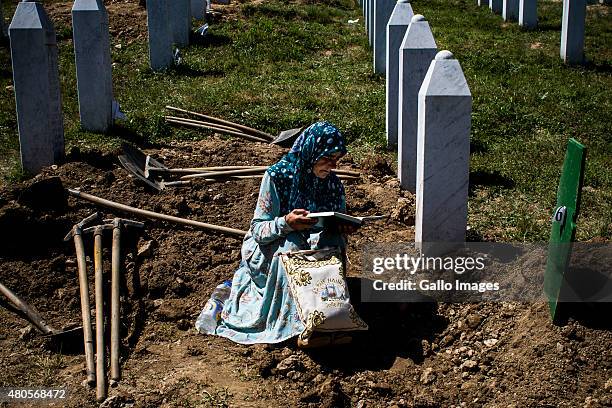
(260, 308)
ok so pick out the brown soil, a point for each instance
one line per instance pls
(413, 354)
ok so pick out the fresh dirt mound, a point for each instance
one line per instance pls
(413, 354)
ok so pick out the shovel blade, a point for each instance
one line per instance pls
(287, 137)
(136, 172)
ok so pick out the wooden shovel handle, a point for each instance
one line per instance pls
(247, 129)
(26, 309)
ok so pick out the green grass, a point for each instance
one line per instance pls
(282, 64)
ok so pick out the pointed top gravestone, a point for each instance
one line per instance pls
(510, 10)
(417, 51)
(572, 31)
(180, 21)
(93, 64)
(37, 87)
(160, 34)
(396, 28)
(528, 13)
(443, 154)
(496, 6)
(382, 13)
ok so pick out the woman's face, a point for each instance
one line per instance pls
(324, 165)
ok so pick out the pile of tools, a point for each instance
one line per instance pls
(94, 224)
(157, 176)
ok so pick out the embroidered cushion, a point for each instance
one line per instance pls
(317, 283)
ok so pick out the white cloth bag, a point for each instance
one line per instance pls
(318, 286)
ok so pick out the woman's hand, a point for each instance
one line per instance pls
(298, 221)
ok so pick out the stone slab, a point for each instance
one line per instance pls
(91, 41)
(510, 10)
(160, 35)
(396, 29)
(417, 51)
(180, 21)
(34, 56)
(382, 13)
(572, 31)
(443, 155)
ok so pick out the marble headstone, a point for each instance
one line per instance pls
(37, 88)
(160, 35)
(528, 13)
(510, 10)
(371, 21)
(443, 156)
(93, 64)
(417, 51)
(180, 21)
(496, 6)
(572, 31)
(382, 13)
(396, 29)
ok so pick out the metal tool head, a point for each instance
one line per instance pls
(98, 229)
(287, 137)
(78, 227)
(142, 160)
(131, 167)
(123, 222)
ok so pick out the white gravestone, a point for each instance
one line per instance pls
(382, 13)
(197, 9)
(443, 155)
(510, 10)
(483, 2)
(160, 34)
(417, 51)
(93, 64)
(496, 6)
(180, 21)
(396, 29)
(371, 21)
(37, 87)
(528, 13)
(572, 31)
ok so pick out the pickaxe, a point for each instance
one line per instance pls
(76, 234)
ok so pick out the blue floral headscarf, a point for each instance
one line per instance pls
(295, 182)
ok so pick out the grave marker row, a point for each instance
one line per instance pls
(428, 116)
(572, 26)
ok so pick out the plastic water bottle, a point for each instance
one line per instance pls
(211, 314)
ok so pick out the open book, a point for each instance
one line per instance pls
(336, 218)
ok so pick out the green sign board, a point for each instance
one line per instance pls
(563, 228)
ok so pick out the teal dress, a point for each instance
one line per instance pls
(260, 308)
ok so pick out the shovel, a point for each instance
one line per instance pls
(284, 138)
(60, 336)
